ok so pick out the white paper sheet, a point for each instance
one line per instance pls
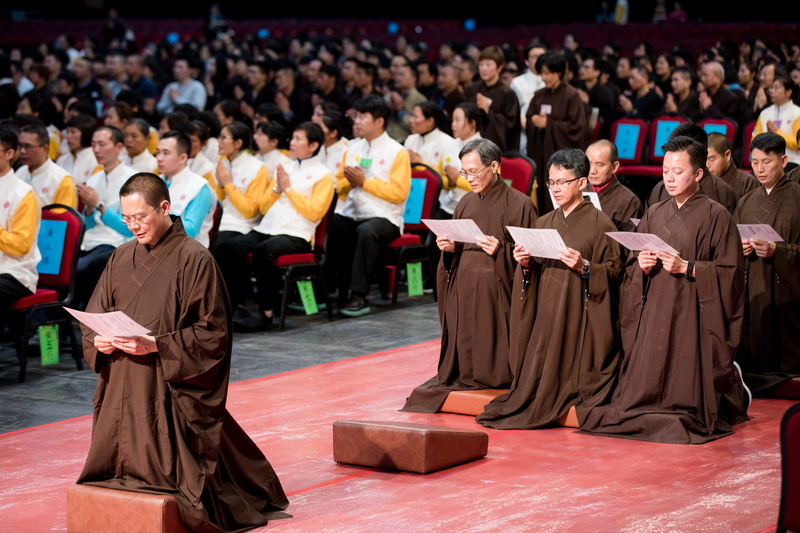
(641, 241)
(457, 230)
(538, 242)
(113, 324)
(761, 232)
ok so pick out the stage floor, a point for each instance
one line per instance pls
(549, 480)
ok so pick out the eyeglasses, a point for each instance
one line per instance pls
(136, 219)
(559, 183)
(27, 146)
(467, 174)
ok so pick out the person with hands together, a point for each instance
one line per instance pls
(564, 338)
(474, 284)
(681, 318)
(770, 351)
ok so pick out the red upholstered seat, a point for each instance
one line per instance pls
(293, 259)
(40, 297)
(405, 238)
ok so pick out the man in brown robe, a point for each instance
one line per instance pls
(616, 200)
(556, 119)
(570, 357)
(720, 163)
(770, 350)
(680, 318)
(497, 100)
(474, 284)
(160, 421)
(714, 187)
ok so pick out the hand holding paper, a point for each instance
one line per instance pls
(538, 242)
(641, 241)
(109, 325)
(457, 230)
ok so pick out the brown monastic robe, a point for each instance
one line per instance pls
(677, 382)
(160, 421)
(566, 128)
(503, 126)
(619, 203)
(770, 351)
(571, 356)
(714, 187)
(474, 301)
(740, 181)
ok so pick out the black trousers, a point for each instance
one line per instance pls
(231, 256)
(355, 246)
(11, 290)
(90, 266)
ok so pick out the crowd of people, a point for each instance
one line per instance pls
(243, 148)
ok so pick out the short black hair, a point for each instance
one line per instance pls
(572, 159)
(182, 141)
(769, 143)
(313, 132)
(374, 105)
(149, 186)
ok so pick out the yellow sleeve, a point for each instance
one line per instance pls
(55, 145)
(396, 190)
(462, 183)
(269, 198)
(791, 140)
(315, 206)
(247, 202)
(758, 129)
(152, 144)
(24, 225)
(66, 193)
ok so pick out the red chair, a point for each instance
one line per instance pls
(412, 245)
(724, 126)
(54, 290)
(520, 170)
(789, 514)
(747, 136)
(630, 136)
(308, 266)
(214, 231)
(660, 129)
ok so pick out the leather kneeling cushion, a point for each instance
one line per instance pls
(405, 446)
(469, 402)
(100, 510)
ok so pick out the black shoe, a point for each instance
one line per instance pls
(358, 306)
(241, 313)
(261, 322)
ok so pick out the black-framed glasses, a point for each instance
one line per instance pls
(466, 174)
(559, 183)
(137, 219)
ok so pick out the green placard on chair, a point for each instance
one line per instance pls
(508, 182)
(306, 290)
(414, 277)
(48, 344)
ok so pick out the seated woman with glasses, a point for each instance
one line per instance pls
(474, 284)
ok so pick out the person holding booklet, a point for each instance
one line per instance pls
(680, 318)
(474, 283)
(770, 352)
(565, 347)
(160, 421)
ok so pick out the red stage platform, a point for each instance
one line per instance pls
(549, 480)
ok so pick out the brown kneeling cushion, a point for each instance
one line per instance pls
(469, 402)
(405, 446)
(100, 510)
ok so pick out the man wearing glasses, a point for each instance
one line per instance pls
(52, 184)
(474, 284)
(160, 421)
(567, 349)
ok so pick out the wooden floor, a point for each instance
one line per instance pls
(549, 480)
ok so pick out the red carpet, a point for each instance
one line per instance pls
(544, 480)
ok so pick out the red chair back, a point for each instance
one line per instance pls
(430, 200)
(789, 515)
(73, 237)
(660, 129)
(747, 136)
(720, 125)
(630, 136)
(321, 233)
(519, 169)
